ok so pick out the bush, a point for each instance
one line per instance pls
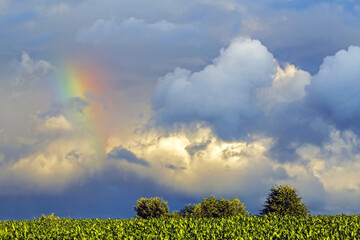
(151, 208)
(283, 200)
(187, 211)
(48, 218)
(229, 208)
(211, 207)
(176, 214)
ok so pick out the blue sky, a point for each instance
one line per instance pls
(104, 102)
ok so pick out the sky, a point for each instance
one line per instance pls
(104, 102)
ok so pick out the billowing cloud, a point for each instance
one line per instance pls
(335, 90)
(300, 113)
(335, 164)
(288, 85)
(242, 84)
(52, 168)
(212, 166)
(222, 94)
(321, 174)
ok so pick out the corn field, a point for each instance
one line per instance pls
(249, 227)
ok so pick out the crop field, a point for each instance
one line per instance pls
(252, 227)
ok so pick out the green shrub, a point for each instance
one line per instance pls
(283, 200)
(211, 207)
(151, 208)
(229, 208)
(187, 211)
(48, 218)
(176, 214)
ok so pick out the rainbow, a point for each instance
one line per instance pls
(82, 82)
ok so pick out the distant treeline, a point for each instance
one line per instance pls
(282, 200)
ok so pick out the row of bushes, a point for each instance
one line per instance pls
(282, 200)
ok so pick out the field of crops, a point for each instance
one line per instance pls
(274, 227)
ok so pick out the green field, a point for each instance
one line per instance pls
(254, 227)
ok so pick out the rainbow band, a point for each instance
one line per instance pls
(75, 81)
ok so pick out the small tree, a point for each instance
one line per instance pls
(187, 211)
(197, 212)
(233, 207)
(283, 200)
(151, 208)
(211, 207)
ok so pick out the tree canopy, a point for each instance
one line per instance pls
(151, 208)
(212, 207)
(284, 200)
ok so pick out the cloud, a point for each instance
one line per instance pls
(57, 123)
(335, 90)
(237, 100)
(129, 30)
(25, 73)
(51, 168)
(241, 168)
(218, 167)
(285, 30)
(305, 118)
(288, 85)
(230, 94)
(163, 44)
(30, 66)
(335, 164)
(124, 154)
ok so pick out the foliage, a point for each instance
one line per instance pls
(48, 218)
(187, 211)
(211, 207)
(238, 227)
(283, 200)
(176, 214)
(151, 208)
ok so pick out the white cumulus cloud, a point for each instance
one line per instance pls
(288, 85)
(227, 94)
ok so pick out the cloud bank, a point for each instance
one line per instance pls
(217, 131)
